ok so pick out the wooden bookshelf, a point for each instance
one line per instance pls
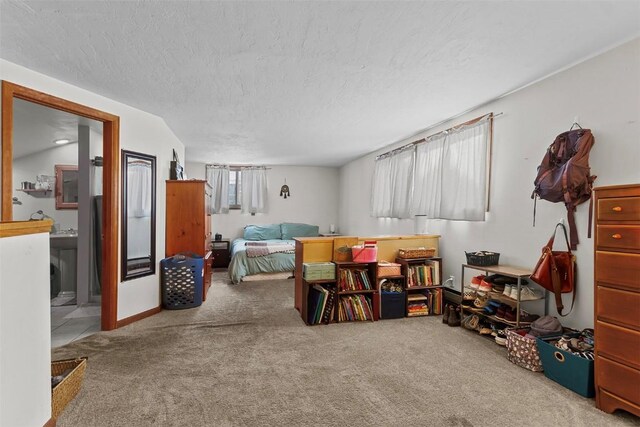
(371, 295)
(422, 285)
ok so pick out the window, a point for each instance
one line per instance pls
(235, 187)
(445, 176)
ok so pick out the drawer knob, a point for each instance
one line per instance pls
(617, 236)
(617, 209)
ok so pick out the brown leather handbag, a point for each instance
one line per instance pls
(555, 271)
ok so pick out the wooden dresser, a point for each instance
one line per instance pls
(189, 222)
(617, 298)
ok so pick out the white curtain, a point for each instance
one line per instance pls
(254, 190)
(139, 189)
(393, 185)
(451, 174)
(427, 191)
(218, 178)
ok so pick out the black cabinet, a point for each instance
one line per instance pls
(221, 254)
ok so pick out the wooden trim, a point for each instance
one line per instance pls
(21, 228)
(50, 423)
(110, 179)
(129, 320)
(6, 212)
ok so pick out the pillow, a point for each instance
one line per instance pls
(262, 232)
(291, 230)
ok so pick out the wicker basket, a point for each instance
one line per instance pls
(386, 269)
(68, 388)
(483, 258)
(416, 252)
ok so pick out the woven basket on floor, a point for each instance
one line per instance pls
(68, 388)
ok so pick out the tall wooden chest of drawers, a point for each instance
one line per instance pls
(188, 223)
(617, 298)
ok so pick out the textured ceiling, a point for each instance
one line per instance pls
(307, 83)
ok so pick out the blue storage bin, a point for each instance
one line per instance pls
(392, 305)
(567, 369)
(182, 281)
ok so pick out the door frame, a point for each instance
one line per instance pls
(110, 180)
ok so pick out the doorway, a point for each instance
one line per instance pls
(110, 178)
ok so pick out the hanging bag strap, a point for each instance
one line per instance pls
(555, 273)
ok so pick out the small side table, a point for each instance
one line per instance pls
(220, 253)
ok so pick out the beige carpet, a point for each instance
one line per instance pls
(245, 358)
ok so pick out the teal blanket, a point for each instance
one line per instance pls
(241, 265)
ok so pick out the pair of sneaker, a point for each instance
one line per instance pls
(526, 293)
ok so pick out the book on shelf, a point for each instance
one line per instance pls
(425, 303)
(354, 280)
(328, 309)
(317, 305)
(426, 274)
(354, 307)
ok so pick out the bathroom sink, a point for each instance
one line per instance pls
(63, 241)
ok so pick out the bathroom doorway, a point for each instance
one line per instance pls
(100, 294)
(57, 168)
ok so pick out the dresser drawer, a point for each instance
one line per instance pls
(617, 268)
(618, 306)
(618, 236)
(620, 343)
(619, 209)
(620, 380)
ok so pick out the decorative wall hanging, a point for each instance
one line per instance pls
(284, 190)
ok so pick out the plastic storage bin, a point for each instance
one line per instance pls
(392, 305)
(365, 253)
(182, 277)
(567, 369)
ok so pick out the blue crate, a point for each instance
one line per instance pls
(182, 281)
(392, 305)
(567, 369)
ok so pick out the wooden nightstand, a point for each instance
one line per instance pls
(220, 253)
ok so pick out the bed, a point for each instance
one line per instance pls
(266, 249)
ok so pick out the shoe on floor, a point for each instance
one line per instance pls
(481, 300)
(507, 290)
(528, 294)
(454, 316)
(485, 286)
(475, 282)
(501, 339)
(445, 314)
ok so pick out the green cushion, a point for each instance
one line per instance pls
(262, 232)
(291, 230)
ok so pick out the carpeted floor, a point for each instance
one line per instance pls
(246, 358)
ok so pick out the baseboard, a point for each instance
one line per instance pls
(50, 423)
(129, 320)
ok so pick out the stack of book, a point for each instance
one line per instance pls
(423, 304)
(320, 307)
(354, 307)
(354, 280)
(427, 274)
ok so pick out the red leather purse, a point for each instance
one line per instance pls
(555, 271)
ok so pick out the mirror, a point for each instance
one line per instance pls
(138, 215)
(66, 186)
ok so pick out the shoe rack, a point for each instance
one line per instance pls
(518, 273)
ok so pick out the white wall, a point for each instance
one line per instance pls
(25, 337)
(139, 131)
(314, 199)
(604, 94)
(42, 163)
